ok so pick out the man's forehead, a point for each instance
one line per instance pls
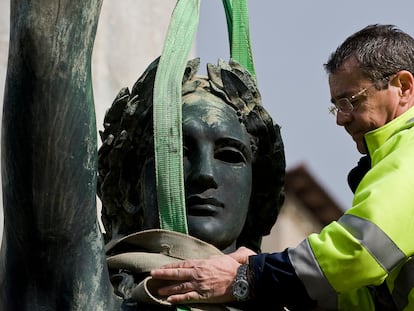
(346, 80)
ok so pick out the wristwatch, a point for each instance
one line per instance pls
(241, 287)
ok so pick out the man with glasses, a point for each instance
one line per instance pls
(363, 260)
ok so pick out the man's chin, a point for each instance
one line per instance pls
(361, 146)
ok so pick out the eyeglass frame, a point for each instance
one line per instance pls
(348, 101)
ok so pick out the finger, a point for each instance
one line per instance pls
(190, 297)
(182, 264)
(177, 288)
(173, 274)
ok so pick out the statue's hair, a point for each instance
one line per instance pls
(128, 142)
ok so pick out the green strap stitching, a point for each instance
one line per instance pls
(168, 118)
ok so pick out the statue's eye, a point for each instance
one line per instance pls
(230, 155)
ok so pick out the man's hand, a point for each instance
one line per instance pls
(200, 281)
(242, 254)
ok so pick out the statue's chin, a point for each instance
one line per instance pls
(212, 231)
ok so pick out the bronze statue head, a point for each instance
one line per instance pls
(126, 156)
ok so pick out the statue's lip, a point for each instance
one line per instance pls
(200, 200)
(198, 203)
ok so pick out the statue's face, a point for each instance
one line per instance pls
(217, 169)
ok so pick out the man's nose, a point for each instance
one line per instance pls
(343, 118)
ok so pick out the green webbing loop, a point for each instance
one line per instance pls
(168, 115)
(239, 33)
(168, 100)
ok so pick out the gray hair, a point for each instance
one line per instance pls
(381, 50)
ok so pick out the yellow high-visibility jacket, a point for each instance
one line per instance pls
(374, 240)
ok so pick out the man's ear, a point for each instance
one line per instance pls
(404, 80)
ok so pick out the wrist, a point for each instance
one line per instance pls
(241, 284)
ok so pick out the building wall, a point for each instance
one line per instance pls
(307, 209)
(130, 35)
(4, 47)
(294, 223)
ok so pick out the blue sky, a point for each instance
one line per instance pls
(291, 41)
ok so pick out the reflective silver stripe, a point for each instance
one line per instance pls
(380, 246)
(403, 284)
(309, 272)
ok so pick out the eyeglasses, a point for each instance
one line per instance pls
(347, 104)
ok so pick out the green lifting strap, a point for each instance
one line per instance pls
(168, 118)
(168, 100)
(237, 17)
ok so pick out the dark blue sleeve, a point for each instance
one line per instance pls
(274, 281)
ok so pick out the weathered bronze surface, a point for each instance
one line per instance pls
(53, 253)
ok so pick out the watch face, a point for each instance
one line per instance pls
(241, 289)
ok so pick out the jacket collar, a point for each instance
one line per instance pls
(376, 138)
